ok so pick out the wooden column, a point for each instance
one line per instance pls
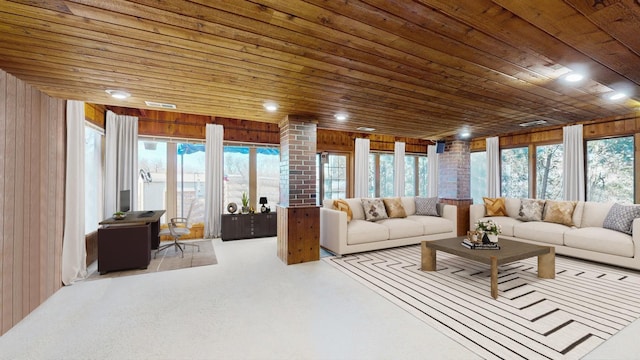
(298, 214)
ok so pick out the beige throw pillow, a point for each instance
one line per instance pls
(495, 206)
(560, 212)
(394, 208)
(343, 205)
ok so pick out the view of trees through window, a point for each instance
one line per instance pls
(478, 174)
(515, 172)
(334, 176)
(609, 170)
(549, 172)
(410, 178)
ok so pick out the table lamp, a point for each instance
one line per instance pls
(263, 202)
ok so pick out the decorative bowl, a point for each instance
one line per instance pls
(118, 216)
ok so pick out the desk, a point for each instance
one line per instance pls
(139, 217)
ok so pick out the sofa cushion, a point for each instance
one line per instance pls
(409, 205)
(495, 206)
(559, 212)
(427, 206)
(342, 205)
(374, 209)
(355, 204)
(513, 206)
(620, 217)
(593, 213)
(394, 207)
(402, 228)
(531, 210)
(506, 223)
(546, 232)
(432, 224)
(362, 231)
(600, 240)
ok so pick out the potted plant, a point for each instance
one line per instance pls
(490, 228)
(245, 203)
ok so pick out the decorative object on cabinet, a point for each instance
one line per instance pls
(232, 208)
(245, 203)
(264, 208)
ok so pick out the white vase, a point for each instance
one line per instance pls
(493, 238)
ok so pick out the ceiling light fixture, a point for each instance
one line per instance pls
(573, 77)
(270, 106)
(364, 128)
(616, 96)
(465, 134)
(533, 123)
(341, 116)
(118, 94)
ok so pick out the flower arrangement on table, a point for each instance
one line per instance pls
(489, 228)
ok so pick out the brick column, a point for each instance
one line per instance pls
(298, 214)
(454, 181)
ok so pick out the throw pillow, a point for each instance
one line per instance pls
(427, 206)
(394, 208)
(531, 210)
(620, 218)
(374, 209)
(495, 206)
(343, 205)
(560, 212)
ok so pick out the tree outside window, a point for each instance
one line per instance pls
(515, 172)
(478, 173)
(549, 172)
(610, 175)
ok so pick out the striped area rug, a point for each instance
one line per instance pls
(561, 318)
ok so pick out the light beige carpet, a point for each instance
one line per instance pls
(169, 259)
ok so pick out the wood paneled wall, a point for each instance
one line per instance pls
(32, 156)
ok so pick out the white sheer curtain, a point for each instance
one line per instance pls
(362, 168)
(493, 167)
(214, 169)
(398, 168)
(74, 252)
(432, 161)
(121, 160)
(573, 163)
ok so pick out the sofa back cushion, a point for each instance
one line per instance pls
(409, 204)
(356, 208)
(593, 214)
(513, 207)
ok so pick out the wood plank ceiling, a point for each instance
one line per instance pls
(425, 68)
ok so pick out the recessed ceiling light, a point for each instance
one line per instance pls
(573, 77)
(118, 94)
(341, 116)
(616, 96)
(465, 134)
(364, 128)
(270, 106)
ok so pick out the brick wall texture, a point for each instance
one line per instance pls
(454, 181)
(297, 163)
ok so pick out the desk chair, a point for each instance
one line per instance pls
(178, 227)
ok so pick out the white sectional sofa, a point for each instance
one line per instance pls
(586, 238)
(345, 237)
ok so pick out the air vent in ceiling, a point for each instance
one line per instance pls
(160, 105)
(533, 123)
(364, 128)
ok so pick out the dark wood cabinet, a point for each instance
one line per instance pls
(247, 226)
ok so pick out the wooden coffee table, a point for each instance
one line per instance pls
(510, 251)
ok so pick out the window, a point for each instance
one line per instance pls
(152, 183)
(423, 176)
(236, 174)
(381, 175)
(549, 172)
(515, 172)
(410, 178)
(609, 170)
(478, 174)
(416, 168)
(268, 175)
(332, 180)
(191, 180)
(93, 185)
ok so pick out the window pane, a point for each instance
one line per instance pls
(410, 175)
(549, 172)
(386, 175)
(191, 172)
(92, 179)
(478, 162)
(372, 175)
(515, 172)
(610, 174)
(319, 194)
(423, 176)
(236, 174)
(268, 175)
(152, 160)
(335, 177)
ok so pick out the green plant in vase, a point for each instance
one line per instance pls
(245, 203)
